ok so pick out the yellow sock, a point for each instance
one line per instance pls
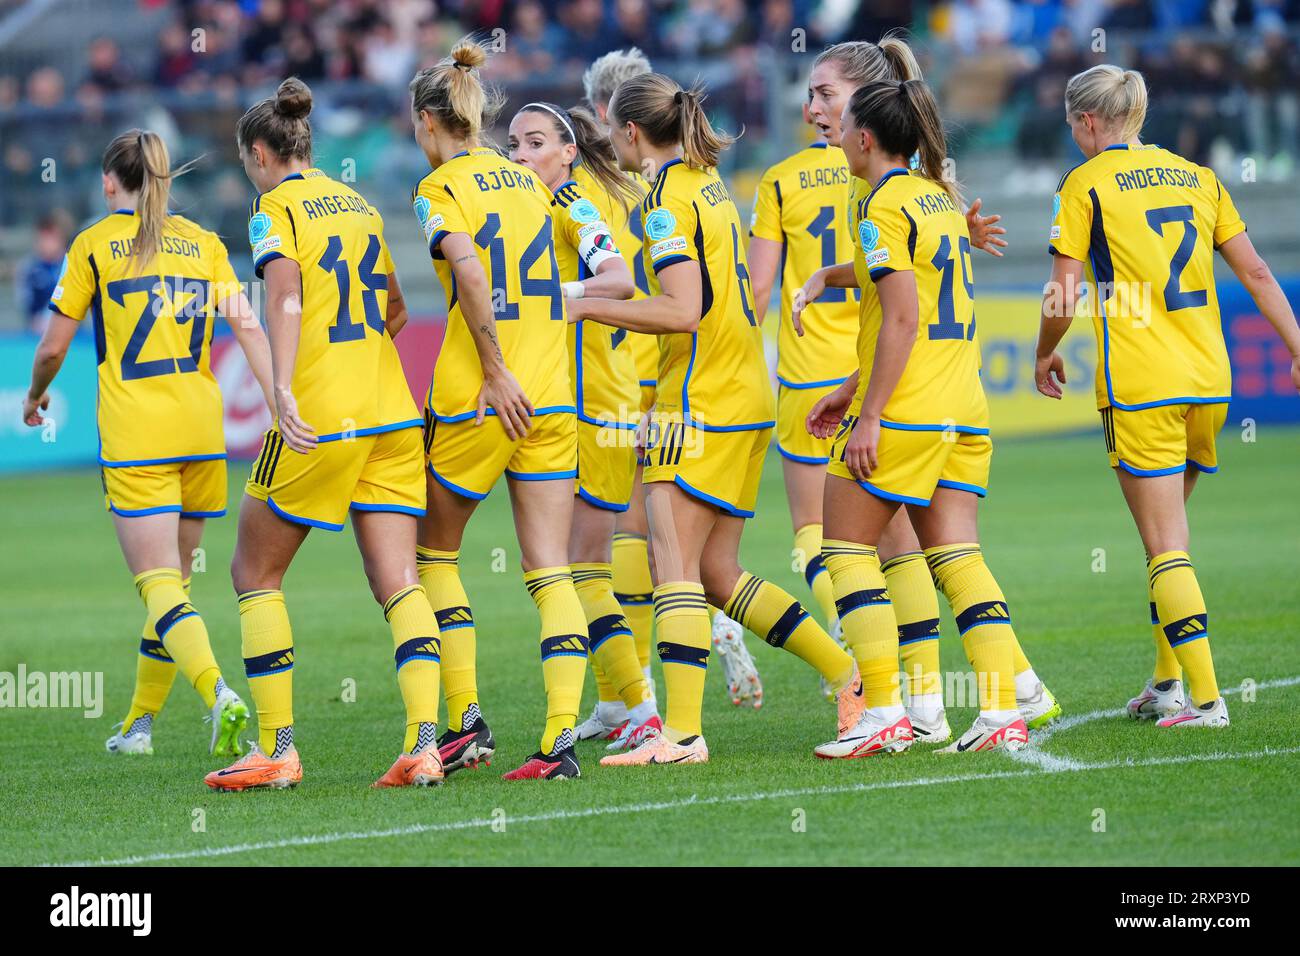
(808, 557)
(867, 616)
(1167, 667)
(682, 621)
(634, 590)
(916, 606)
(983, 620)
(174, 621)
(154, 673)
(564, 651)
(440, 578)
(416, 652)
(779, 619)
(613, 652)
(1185, 622)
(268, 663)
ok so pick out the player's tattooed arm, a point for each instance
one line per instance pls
(501, 391)
(1249, 266)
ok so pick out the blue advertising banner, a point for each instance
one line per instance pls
(69, 436)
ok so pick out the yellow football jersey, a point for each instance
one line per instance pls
(799, 204)
(628, 234)
(1146, 222)
(910, 223)
(506, 210)
(158, 400)
(715, 377)
(347, 379)
(601, 366)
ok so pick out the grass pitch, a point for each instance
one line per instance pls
(1098, 790)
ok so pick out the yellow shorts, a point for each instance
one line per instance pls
(606, 465)
(1165, 440)
(468, 459)
(721, 468)
(377, 472)
(792, 438)
(912, 464)
(195, 489)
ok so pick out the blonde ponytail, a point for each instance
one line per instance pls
(453, 93)
(861, 62)
(1113, 95)
(669, 116)
(140, 161)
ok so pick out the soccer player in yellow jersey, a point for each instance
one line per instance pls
(1145, 223)
(813, 335)
(346, 438)
(500, 403)
(154, 283)
(713, 413)
(632, 585)
(552, 142)
(912, 424)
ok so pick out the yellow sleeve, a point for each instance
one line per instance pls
(269, 233)
(439, 213)
(765, 222)
(883, 236)
(565, 226)
(1227, 221)
(225, 284)
(1071, 232)
(76, 285)
(666, 228)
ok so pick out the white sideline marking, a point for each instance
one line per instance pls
(692, 801)
(1035, 755)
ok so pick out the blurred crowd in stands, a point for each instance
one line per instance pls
(1224, 74)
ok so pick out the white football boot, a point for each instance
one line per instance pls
(1154, 703)
(1039, 708)
(930, 728)
(743, 684)
(1212, 715)
(877, 731)
(138, 739)
(986, 734)
(607, 720)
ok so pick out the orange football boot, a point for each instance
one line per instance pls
(255, 770)
(414, 770)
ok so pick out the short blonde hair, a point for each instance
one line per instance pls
(1111, 93)
(605, 74)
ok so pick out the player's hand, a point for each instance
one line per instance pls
(297, 434)
(984, 231)
(1052, 365)
(32, 408)
(860, 452)
(641, 434)
(827, 414)
(502, 392)
(810, 293)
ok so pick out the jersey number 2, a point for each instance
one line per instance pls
(1175, 298)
